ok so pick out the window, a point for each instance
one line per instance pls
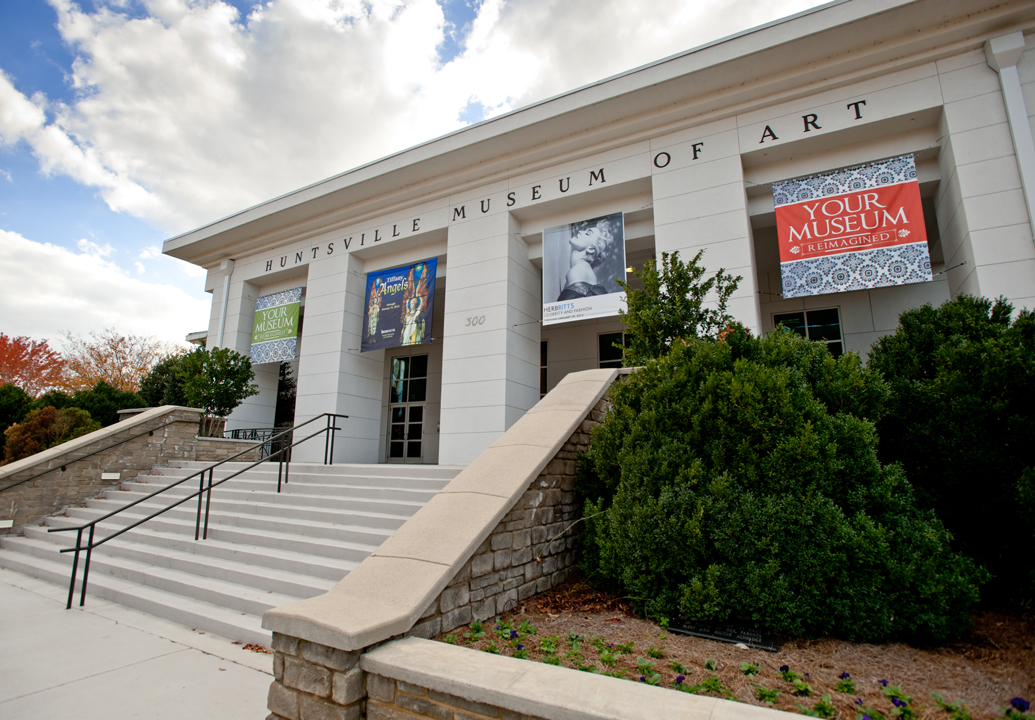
(611, 356)
(819, 325)
(542, 369)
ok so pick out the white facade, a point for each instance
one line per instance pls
(687, 148)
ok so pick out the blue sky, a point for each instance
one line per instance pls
(125, 122)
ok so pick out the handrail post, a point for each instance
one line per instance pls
(75, 567)
(327, 439)
(86, 566)
(201, 496)
(280, 468)
(334, 426)
(208, 501)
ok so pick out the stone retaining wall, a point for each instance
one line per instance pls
(530, 551)
(71, 480)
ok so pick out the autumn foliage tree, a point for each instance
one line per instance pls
(30, 364)
(119, 360)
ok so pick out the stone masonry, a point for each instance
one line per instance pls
(531, 550)
(71, 481)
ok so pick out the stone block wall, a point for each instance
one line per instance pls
(315, 682)
(209, 449)
(71, 481)
(389, 699)
(531, 550)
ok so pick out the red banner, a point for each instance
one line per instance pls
(862, 220)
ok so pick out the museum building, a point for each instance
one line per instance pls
(848, 163)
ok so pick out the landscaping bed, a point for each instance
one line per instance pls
(588, 630)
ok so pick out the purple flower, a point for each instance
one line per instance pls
(884, 683)
(843, 676)
(806, 676)
(858, 701)
(897, 702)
(1020, 704)
(520, 647)
(681, 678)
(866, 717)
(643, 679)
(784, 669)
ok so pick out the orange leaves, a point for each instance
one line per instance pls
(30, 364)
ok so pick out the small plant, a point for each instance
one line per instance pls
(900, 700)
(491, 648)
(625, 649)
(615, 673)
(656, 652)
(477, 631)
(647, 672)
(749, 669)
(520, 652)
(823, 708)
(574, 640)
(451, 639)
(710, 664)
(526, 628)
(845, 684)
(504, 631)
(608, 658)
(956, 710)
(868, 713)
(677, 667)
(1017, 709)
(710, 684)
(766, 695)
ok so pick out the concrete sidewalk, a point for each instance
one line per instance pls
(108, 661)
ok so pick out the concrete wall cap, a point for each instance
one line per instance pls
(63, 449)
(543, 691)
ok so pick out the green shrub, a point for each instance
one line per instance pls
(739, 481)
(45, 428)
(961, 421)
(163, 385)
(104, 402)
(217, 380)
(15, 404)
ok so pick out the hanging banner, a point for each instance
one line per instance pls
(399, 304)
(275, 333)
(853, 229)
(582, 264)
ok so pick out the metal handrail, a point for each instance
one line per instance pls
(203, 494)
(107, 447)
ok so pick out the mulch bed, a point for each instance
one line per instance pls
(993, 663)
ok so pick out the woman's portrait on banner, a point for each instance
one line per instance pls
(582, 264)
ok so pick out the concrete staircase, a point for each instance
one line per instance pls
(263, 549)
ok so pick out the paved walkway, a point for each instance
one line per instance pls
(111, 662)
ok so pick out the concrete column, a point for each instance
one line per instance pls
(257, 411)
(1002, 54)
(702, 205)
(333, 376)
(490, 356)
(227, 269)
(983, 217)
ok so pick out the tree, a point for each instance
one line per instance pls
(29, 364)
(45, 428)
(960, 421)
(119, 360)
(671, 306)
(163, 385)
(739, 481)
(217, 380)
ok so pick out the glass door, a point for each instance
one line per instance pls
(407, 392)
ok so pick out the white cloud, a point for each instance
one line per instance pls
(195, 112)
(49, 290)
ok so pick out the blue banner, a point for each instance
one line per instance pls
(399, 305)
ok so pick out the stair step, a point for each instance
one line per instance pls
(263, 549)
